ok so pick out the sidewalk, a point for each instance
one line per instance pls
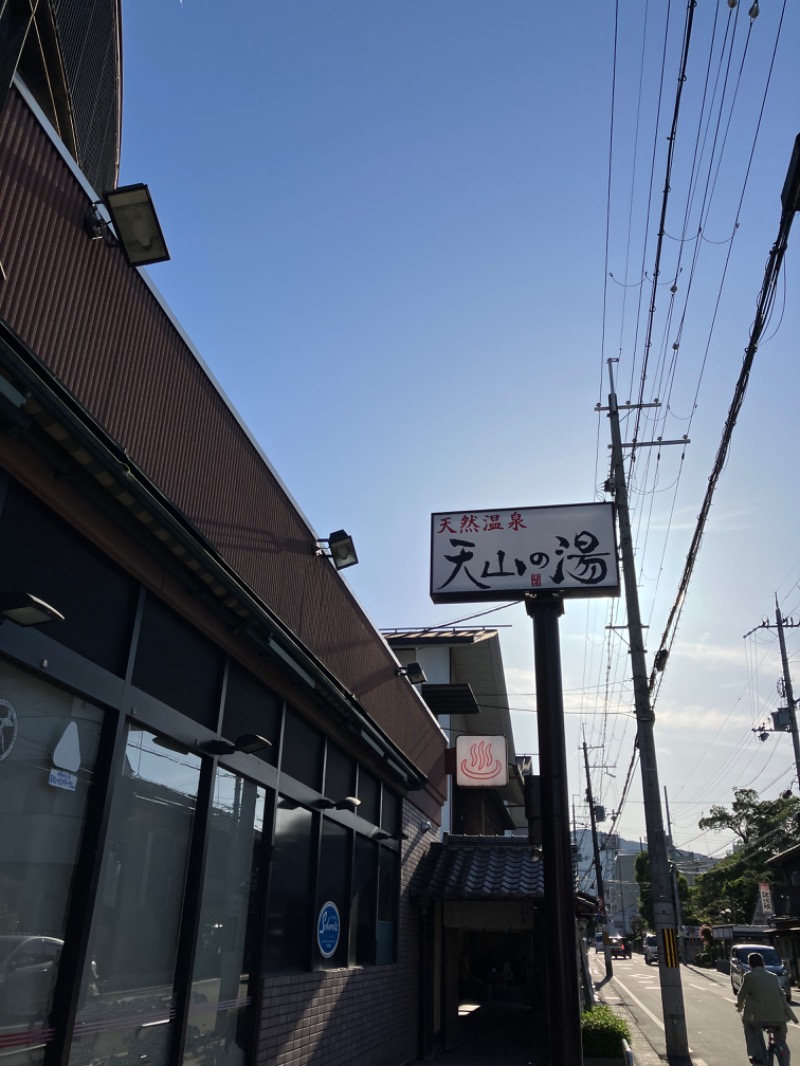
(644, 1054)
(503, 1034)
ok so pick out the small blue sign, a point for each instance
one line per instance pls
(328, 928)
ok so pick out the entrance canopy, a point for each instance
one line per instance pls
(479, 868)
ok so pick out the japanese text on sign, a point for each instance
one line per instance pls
(494, 554)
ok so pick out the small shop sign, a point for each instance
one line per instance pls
(328, 929)
(481, 762)
(9, 728)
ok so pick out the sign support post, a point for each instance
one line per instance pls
(563, 987)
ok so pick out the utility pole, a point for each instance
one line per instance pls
(780, 624)
(674, 869)
(598, 870)
(677, 1043)
(787, 680)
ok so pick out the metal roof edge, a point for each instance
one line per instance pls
(270, 634)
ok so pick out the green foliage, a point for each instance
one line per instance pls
(765, 826)
(728, 892)
(602, 1032)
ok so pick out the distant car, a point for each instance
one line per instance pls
(772, 962)
(619, 947)
(650, 948)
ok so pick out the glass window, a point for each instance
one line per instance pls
(390, 811)
(220, 1019)
(251, 707)
(301, 757)
(388, 884)
(43, 555)
(289, 931)
(134, 933)
(333, 886)
(340, 774)
(363, 912)
(178, 665)
(48, 747)
(369, 792)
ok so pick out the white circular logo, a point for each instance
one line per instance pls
(9, 726)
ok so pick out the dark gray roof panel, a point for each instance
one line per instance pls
(479, 868)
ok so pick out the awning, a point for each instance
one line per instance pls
(479, 868)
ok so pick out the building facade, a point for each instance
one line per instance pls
(214, 785)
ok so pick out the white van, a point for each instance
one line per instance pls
(650, 949)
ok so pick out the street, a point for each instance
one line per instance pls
(715, 1032)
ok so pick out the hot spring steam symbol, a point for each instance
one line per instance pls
(482, 765)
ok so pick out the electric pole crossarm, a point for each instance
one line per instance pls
(782, 624)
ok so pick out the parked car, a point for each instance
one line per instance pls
(650, 948)
(772, 962)
(26, 975)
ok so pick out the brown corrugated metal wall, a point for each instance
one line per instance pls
(97, 326)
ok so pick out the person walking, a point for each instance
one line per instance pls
(762, 1003)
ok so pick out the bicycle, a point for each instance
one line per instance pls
(777, 1053)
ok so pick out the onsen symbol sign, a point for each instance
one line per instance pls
(481, 762)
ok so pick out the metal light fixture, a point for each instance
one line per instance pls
(248, 743)
(324, 804)
(27, 610)
(138, 231)
(414, 673)
(349, 803)
(339, 548)
(137, 224)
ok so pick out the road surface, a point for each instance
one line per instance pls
(712, 1021)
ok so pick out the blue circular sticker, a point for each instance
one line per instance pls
(328, 927)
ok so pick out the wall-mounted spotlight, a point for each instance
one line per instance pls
(323, 804)
(27, 610)
(248, 743)
(414, 673)
(349, 803)
(138, 231)
(339, 548)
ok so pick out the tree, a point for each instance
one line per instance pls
(728, 892)
(768, 826)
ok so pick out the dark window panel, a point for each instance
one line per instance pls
(333, 885)
(340, 774)
(251, 707)
(390, 811)
(41, 554)
(288, 909)
(178, 665)
(388, 896)
(301, 757)
(363, 914)
(369, 792)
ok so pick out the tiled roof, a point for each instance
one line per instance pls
(479, 868)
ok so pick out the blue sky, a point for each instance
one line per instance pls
(392, 236)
